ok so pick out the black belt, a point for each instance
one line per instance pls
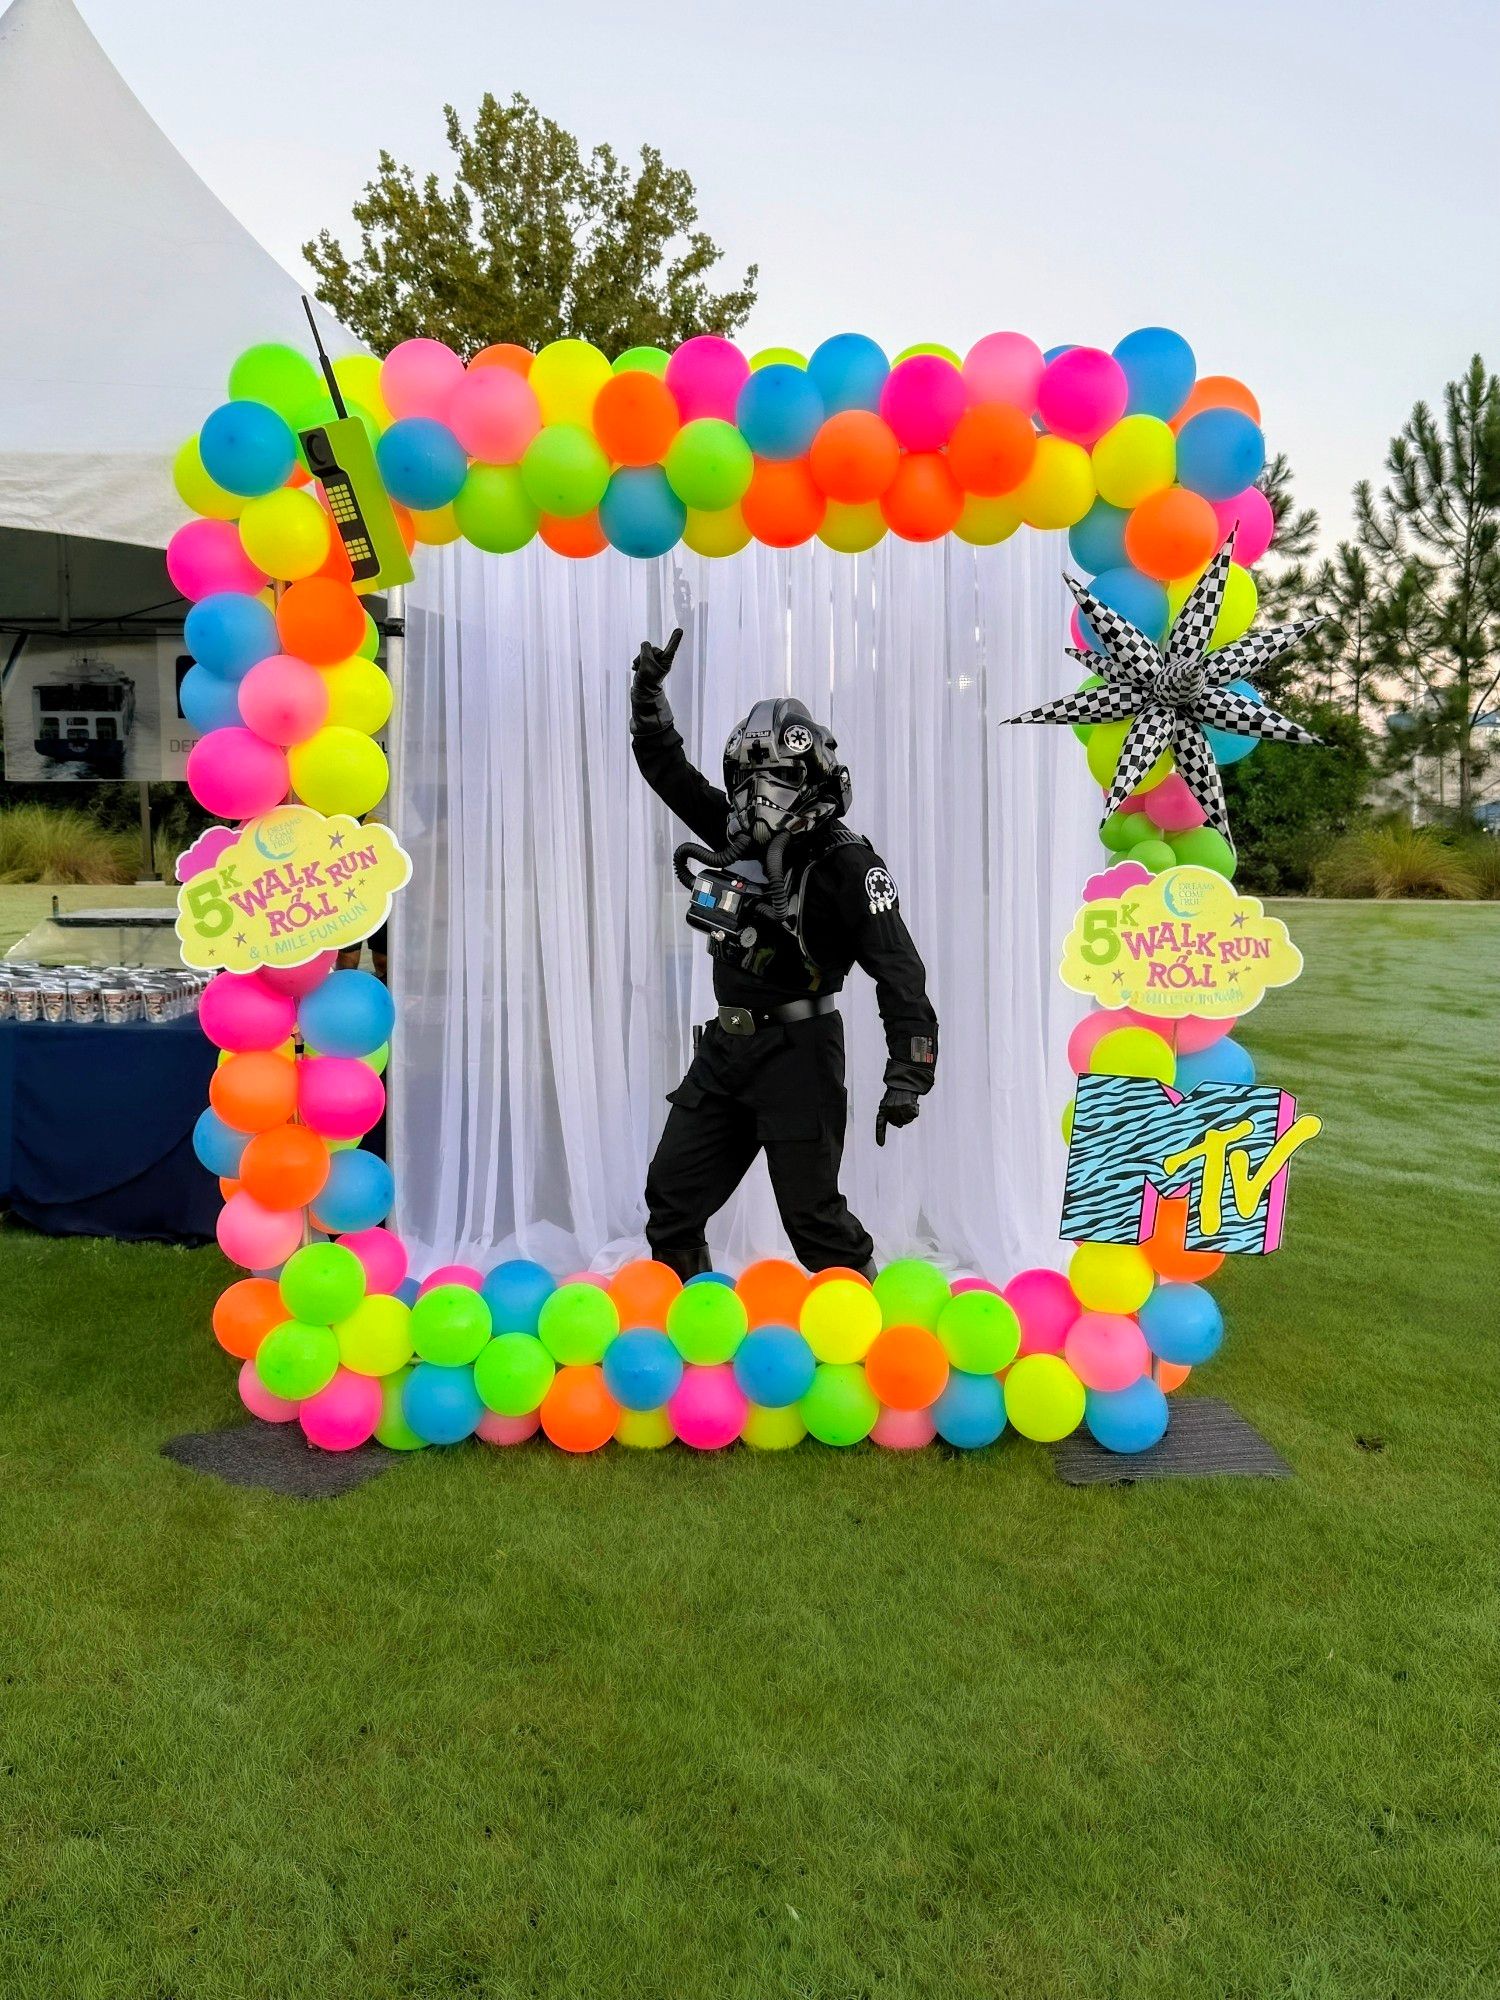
(745, 1020)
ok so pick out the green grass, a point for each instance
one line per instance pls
(22, 907)
(825, 1725)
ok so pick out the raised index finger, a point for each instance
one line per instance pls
(669, 651)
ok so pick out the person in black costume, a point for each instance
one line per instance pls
(791, 899)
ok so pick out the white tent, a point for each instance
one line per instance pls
(129, 288)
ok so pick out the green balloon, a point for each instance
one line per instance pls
(980, 1332)
(1205, 847)
(369, 646)
(1153, 854)
(709, 465)
(706, 1323)
(1123, 830)
(296, 1360)
(840, 1407)
(1084, 730)
(513, 1373)
(494, 510)
(450, 1325)
(576, 1324)
(322, 1282)
(280, 376)
(393, 1430)
(648, 360)
(911, 1292)
(565, 470)
(318, 409)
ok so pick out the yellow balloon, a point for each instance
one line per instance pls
(358, 375)
(196, 490)
(435, 526)
(986, 521)
(339, 770)
(1067, 1120)
(285, 533)
(773, 1430)
(840, 1320)
(644, 1430)
(567, 375)
(1043, 1398)
(1106, 740)
(929, 347)
(1134, 459)
(720, 531)
(1133, 1052)
(770, 357)
(1059, 489)
(1110, 1277)
(1236, 613)
(376, 1337)
(852, 529)
(359, 696)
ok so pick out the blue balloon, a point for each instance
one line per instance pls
(409, 1291)
(209, 702)
(247, 448)
(641, 1368)
(349, 1014)
(640, 514)
(441, 1404)
(357, 1194)
(971, 1410)
(1226, 1062)
(779, 411)
(1160, 369)
(1220, 453)
(774, 1366)
(712, 1278)
(1097, 542)
(230, 633)
(1126, 1420)
(1226, 746)
(1064, 347)
(515, 1293)
(1136, 597)
(422, 463)
(218, 1145)
(848, 371)
(1182, 1323)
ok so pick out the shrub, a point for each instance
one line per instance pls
(1290, 802)
(1482, 857)
(1396, 860)
(41, 843)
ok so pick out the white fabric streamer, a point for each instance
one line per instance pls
(545, 980)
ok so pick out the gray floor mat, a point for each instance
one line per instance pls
(278, 1458)
(1205, 1438)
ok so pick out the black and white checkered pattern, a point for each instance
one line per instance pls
(1222, 708)
(1145, 740)
(1130, 652)
(1244, 659)
(1193, 629)
(1100, 704)
(1200, 772)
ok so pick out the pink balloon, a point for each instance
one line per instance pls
(343, 1413)
(1081, 639)
(974, 1285)
(904, 1430)
(588, 1278)
(382, 1254)
(258, 1399)
(235, 774)
(706, 375)
(205, 557)
(1256, 524)
(1194, 1034)
(708, 1411)
(922, 400)
(494, 414)
(299, 979)
(1106, 1350)
(1086, 1034)
(1081, 394)
(496, 1429)
(1171, 805)
(1004, 368)
(418, 378)
(339, 1096)
(1045, 1304)
(237, 1012)
(284, 699)
(452, 1274)
(256, 1236)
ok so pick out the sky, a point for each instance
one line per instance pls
(1309, 190)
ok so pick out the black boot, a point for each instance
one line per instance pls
(687, 1261)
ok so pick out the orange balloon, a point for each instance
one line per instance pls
(245, 1314)
(1166, 1247)
(285, 1167)
(1171, 534)
(837, 1271)
(336, 565)
(1217, 392)
(578, 1412)
(772, 1292)
(575, 535)
(635, 417)
(406, 525)
(642, 1290)
(991, 450)
(1170, 1375)
(504, 354)
(321, 621)
(254, 1091)
(924, 499)
(907, 1367)
(228, 1188)
(854, 457)
(782, 507)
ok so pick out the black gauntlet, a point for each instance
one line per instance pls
(649, 709)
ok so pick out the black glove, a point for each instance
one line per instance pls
(898, 1107)
(654, 663)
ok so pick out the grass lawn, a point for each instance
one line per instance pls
(26, 904)
(831, 1725)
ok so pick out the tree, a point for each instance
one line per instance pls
(1296, 534)
(1434, 537)
(533, 241)
(1352, 642)
(1288, 803)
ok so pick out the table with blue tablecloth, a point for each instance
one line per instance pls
(96, 1129)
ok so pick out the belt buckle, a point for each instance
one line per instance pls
(737, 1020)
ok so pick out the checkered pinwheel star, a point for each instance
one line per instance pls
(1175, 695)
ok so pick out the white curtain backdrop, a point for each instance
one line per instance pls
(545, 979)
